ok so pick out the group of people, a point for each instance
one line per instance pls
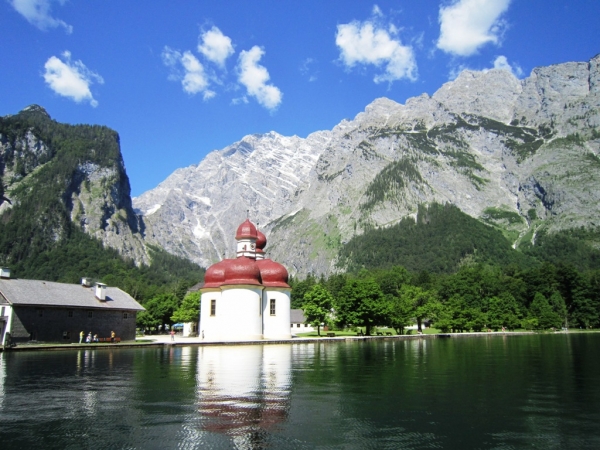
(89, 339)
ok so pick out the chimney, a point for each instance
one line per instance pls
(86, 282)
(5, 272)
(101, 291)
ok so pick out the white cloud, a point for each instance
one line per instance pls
(377, 11)
(186, 68)
(307, 71)
(502, 63)
(71, 79)
(254, 77)
(369, 43)
(466, 25)
(37, 13)
(215, 46)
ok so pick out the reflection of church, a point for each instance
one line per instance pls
(246, 298)
(243, 392)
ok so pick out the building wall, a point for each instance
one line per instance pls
(238, 313)
(209, 325)
(301, 328)
(276, 326)
(53, 324)
(190, 329)
(5, 315)
(241, 316)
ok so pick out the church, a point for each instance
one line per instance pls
(246, 298)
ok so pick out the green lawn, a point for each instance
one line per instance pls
(373, 332)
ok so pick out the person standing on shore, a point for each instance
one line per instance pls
(172, 335)
(81, 337)
(112, 336)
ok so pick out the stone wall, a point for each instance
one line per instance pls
(60, 324)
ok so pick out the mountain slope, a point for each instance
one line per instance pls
(519, 155)
(57, 177)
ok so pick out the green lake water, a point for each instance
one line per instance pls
(493, 392)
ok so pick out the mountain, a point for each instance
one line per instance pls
(56, 178)
(521, 156)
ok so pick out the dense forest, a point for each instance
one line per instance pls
(461, 275)
(476, 297)
(42, 165)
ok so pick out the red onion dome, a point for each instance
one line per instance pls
(261, 240)
(246, 230)
(241, 270)
(272, 273)
(214, 275)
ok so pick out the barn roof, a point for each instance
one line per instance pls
(20, 292)
(297, 316)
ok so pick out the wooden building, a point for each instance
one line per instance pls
(45, 311)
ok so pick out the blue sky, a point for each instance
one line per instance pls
(178, 79)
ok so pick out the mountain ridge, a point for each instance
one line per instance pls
(487, 142)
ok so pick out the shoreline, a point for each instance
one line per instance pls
(165, 341)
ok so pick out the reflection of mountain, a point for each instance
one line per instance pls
(244, 391)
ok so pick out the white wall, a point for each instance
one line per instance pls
(7, 325)
(209, 326)
(238, 314)
(304, 328)
(277, 326)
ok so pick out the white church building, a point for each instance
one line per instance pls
(246, 298)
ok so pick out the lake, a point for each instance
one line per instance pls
(493, 392)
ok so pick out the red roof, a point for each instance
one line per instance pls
(272, 273)
(214, 276)
(261, 240)
(241, 270)
(244, 270)
(246, 230)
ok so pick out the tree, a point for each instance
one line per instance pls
(161, 308)
(401, 312)
(189, 310)
(317, 306)
(299, 288)
(559, 306)
(541, 310)
(456, 315)
(503, 311)
(421, 300)
(362, 303)
(146, 321)
(392, 280)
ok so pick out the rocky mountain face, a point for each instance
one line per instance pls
(520, 155)
(56, 176)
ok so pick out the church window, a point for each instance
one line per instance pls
(272, 307)
(213, 307)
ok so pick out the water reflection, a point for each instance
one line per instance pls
(244, 391)
(2, 377)
(491, 392)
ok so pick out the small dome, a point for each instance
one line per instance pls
(214, 275)
(246, 230)
(272, 273)
(241, 270)
(261, 240)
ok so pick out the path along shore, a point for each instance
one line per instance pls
(165, 340)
